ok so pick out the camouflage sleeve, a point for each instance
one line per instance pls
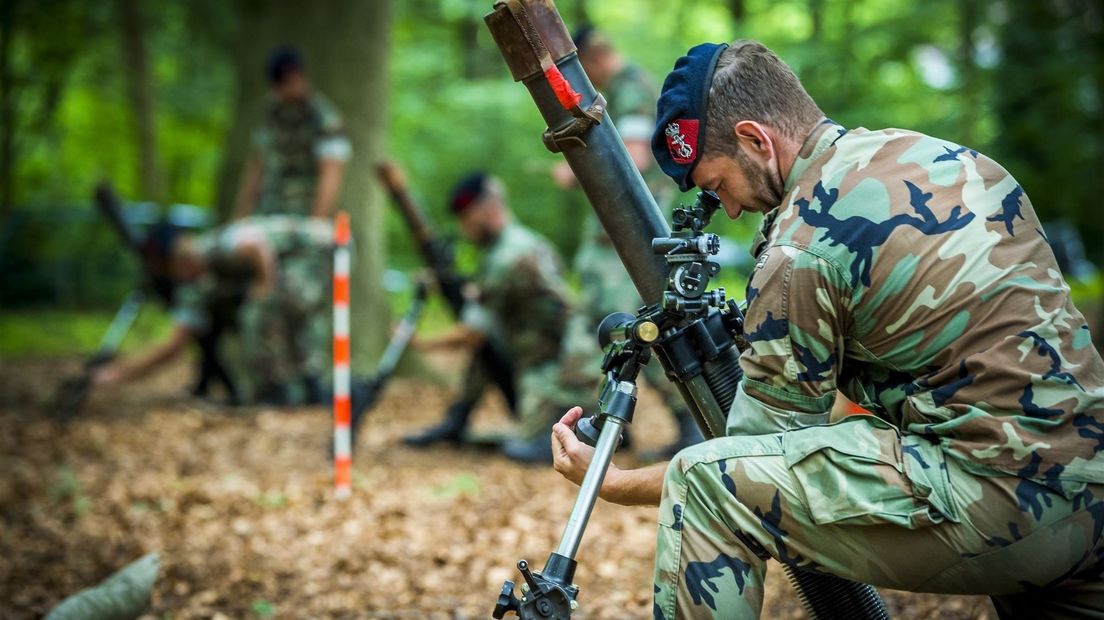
(479, 310)
(333, 141)
(635, 102)
(478, 317)
(261, 139)
(529, 286)
(798, 313)
(188, 309)
(539, 288)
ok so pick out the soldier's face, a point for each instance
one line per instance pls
(475, 223)
(186, 266)
(740, 183)
(293, 87)
(745, 173)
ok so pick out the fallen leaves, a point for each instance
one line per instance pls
(240, 505)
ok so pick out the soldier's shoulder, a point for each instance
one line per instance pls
(633, 90)
(635, 75)
(893, 147)
(523, 246)
(325, 109)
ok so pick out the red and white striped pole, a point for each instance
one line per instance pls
(342, 406)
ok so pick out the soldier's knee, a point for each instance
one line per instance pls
(684, 460)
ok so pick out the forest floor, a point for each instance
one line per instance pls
(239, 503)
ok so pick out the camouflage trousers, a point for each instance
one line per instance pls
(544, 393)
(286, 335)
(858, 500)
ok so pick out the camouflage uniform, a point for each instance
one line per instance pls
(912, 275)
(523, 305)
(606, 286)
(292, 139)
(285, 335)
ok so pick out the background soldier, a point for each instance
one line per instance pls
(300, 149)
(522, 302)
(631, 97)
(909, 273)
(281, 266)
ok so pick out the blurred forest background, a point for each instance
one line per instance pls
(161, 98)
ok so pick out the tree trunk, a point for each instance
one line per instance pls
(967, 24)
(738, 10)
(467, 34)
(140, 92)
(349, 65)
(579, 13)
(816, 14)
(258, 33)
(345, 45)
(7, 111)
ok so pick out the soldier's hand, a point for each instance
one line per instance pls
(570, 456)
(105, 376)
(563, 176)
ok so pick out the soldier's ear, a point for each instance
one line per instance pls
(755, 139)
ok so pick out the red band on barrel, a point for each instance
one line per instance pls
(567, 95)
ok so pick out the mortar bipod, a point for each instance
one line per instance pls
(550, 594)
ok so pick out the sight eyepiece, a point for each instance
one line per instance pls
(622, 327)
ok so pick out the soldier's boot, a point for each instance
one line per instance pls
(449, 430)
(317, 394)
(688, 435)
(536, 451)
(362, 394)
(275, 394)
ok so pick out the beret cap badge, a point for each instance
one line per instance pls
(682, 140)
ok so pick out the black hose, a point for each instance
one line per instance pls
(723, 375)
(828, 597)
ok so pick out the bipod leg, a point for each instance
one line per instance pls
(120, 325)
(74, 390)
(364, 395)
(550, 593)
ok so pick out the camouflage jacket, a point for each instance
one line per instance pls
(227, 276)
(522, 296)
(292, 139)
(913, 275)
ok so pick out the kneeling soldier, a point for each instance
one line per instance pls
(522, 301)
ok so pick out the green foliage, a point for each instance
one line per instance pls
(263, 608)
(461, 484)
(63, 332)
(1018, 80)
(66, 491)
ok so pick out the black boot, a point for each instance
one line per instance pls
(449, 430)
(537, 451)
(688, 435)
(273, 394)
(317, 394)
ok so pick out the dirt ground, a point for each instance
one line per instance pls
(239, 503)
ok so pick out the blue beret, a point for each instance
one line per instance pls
(680, 112)
(283, 61)
(468, 191)
(160, 240)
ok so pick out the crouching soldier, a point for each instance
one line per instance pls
(521, 301)
(280, 267)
